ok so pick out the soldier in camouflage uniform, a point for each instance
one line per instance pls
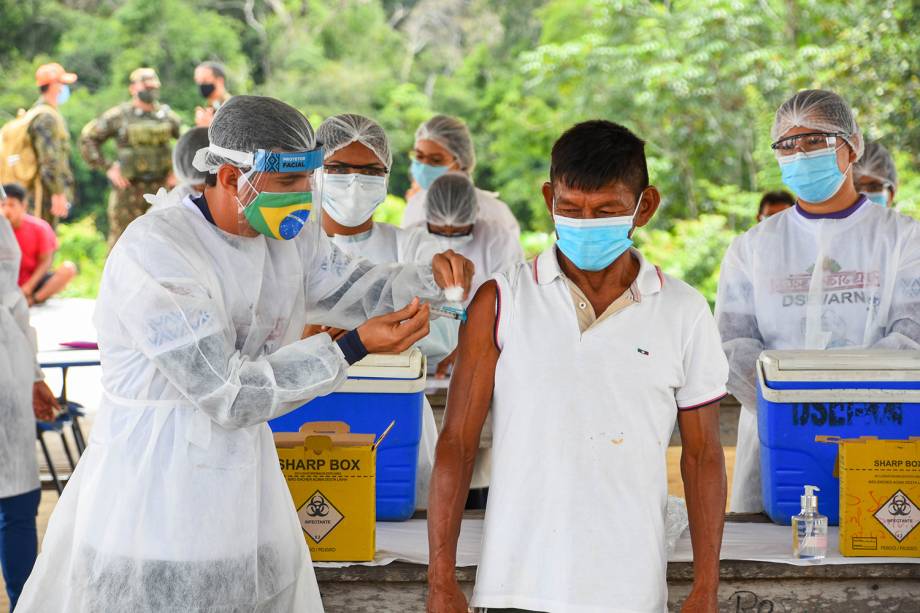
(144, 131)
(53, 188)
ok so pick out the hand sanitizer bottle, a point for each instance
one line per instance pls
(809, 528)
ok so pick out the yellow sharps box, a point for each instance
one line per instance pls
(879, 496)
(330, 472)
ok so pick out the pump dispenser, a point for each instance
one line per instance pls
(809, 528)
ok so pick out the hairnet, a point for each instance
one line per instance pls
(877, 163)
(184, 154)
(452, 134)
(9, 258)
(820, 110)
(339, 131)
(451, 201)
(245, 124)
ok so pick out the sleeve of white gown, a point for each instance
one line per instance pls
(344, 292)
(11, 297)
(176, 323)
(737, 322)
(903, 326)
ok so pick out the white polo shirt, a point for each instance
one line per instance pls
(581, 425)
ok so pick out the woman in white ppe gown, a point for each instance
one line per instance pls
(357, 162)
(834, 271)
(178, 503)
(443, 144)
(451, 208)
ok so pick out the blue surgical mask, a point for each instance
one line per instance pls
(64, 94)
(425, 174)
(814, 177)
(879, 198)
(594, 244)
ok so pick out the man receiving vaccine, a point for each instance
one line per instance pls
(588, 356)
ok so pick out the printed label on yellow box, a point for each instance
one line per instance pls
(899, 515)
(331, 475)
(318, 516)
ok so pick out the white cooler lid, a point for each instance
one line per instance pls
(840, 365)
(406, 365)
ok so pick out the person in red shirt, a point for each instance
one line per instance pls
(38, 243)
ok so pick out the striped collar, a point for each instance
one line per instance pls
(545, 269)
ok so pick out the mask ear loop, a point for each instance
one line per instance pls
(636, 212)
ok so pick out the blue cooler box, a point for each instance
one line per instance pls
(380, 389)
(846, 393)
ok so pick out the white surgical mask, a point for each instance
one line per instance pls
(351, 199)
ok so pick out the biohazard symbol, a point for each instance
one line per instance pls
(899, 515)
(899, 505)
(318, 507)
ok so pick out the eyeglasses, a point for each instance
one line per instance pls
(434, 159)
(372, 170)
(870, 184)
(806, 143)
(450, 231)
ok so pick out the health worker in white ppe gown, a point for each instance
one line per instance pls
(178, 503)
(356, 168)
(834, 271)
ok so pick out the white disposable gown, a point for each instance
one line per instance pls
(18, 371)
(795, 282)
(178, 503)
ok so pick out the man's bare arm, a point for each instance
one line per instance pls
(702, 466)
(468, 401)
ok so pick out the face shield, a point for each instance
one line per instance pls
(276, 191)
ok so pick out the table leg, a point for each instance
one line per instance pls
(63, 384)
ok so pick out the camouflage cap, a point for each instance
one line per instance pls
(145, 74)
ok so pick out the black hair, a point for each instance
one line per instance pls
(15, 190)
(44, 88)
(216, 68)
(597, 153)
(780, 196)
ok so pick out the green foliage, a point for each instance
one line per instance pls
(699, 80)
(82, 244)
(391, 211)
